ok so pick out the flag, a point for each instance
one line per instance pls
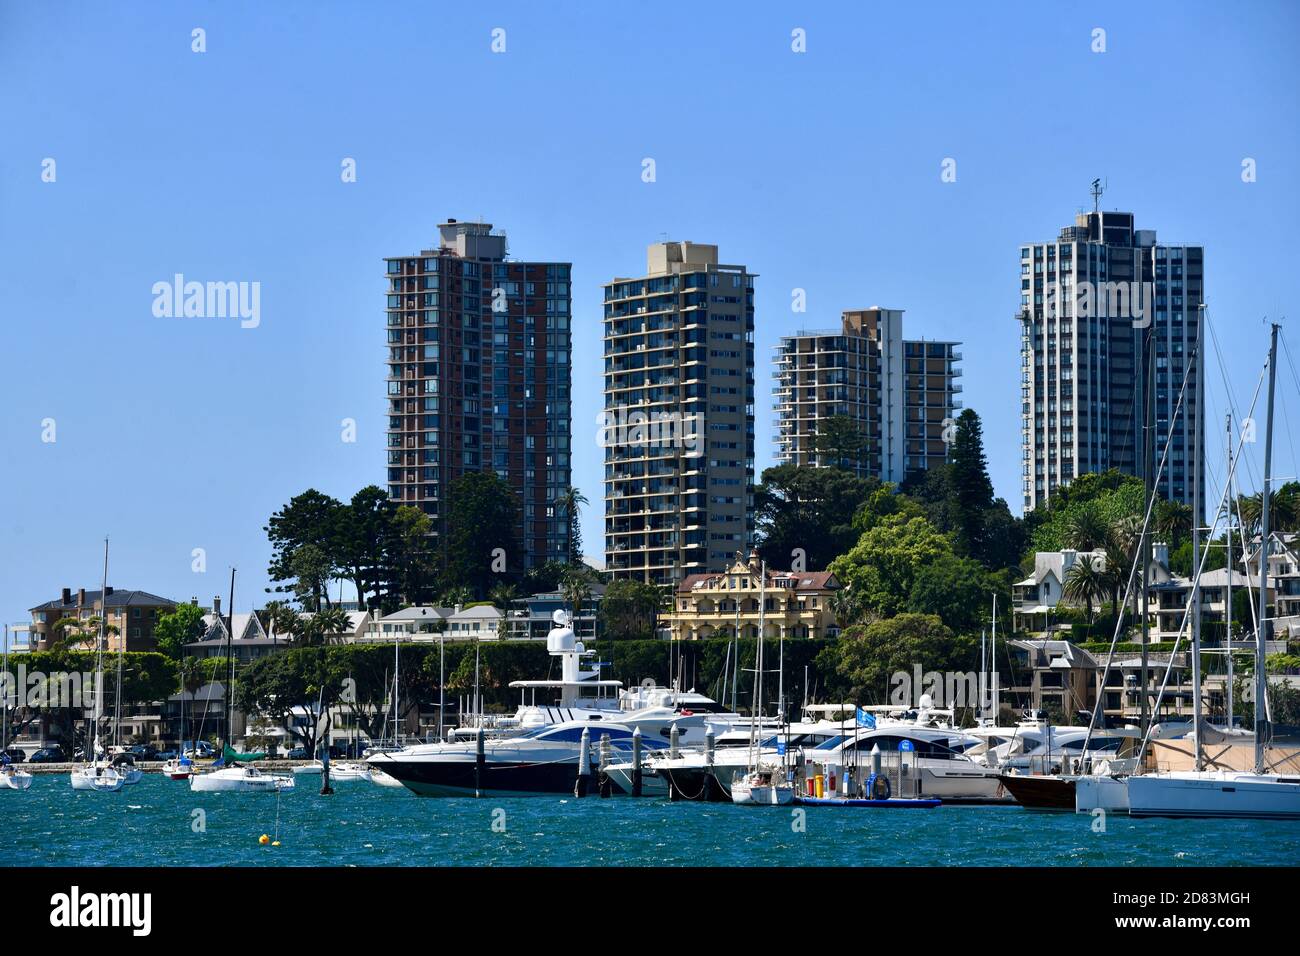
(780, 748)
(864, 719)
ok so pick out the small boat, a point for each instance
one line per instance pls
(384, 779)
(338, 771)
(179, 768)
(239, 778)
(760, 787)
(11, 778)
(98, 779)
(124, 764)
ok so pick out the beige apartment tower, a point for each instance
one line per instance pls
(901, 394)
(678, 422)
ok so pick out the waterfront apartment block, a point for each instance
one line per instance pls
(1109, 320)
(901, 394)
(678, 422)
(129, 616)
(479, 379)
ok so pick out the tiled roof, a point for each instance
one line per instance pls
(807, 581)
(116, 599)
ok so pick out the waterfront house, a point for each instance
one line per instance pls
(530, 618)
(798, 603)
(130, 617)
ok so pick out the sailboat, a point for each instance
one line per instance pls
(96, 775)
(235, 776)
(1252, 794)
(377, 774)
(11, 776)
(180, 767)
(763, 784)
(123, 763)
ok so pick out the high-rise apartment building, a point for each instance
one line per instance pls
(1109, 321)
(901, 394)
(678, 422)
(479, 379)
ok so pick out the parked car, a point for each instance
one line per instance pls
(49, 755)
(165, 755)
(297, 753)
(16, 754)
(143, 752)
(202, 751)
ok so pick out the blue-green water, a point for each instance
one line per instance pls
(156, 823)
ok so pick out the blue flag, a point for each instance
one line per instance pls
(864, 719)
(780, 748)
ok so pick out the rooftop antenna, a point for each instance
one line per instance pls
(1097, 190)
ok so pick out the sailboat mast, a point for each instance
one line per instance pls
(1148, 402)
(99, 658)
(1227, 603)
(1263, 624)
(230, 663)
(1196, 558)
(993, 660)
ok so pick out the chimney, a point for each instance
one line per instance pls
(81, 597)
(67, 596)
(1160, 553)
(216, 605)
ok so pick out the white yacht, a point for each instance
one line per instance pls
(547, 760)
(239, 777)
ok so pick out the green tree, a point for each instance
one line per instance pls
(884, 564)
(808, 509)
(309, 519)
(482, 516)
(866, 658)
(955, 589)
(839, 442)
(178, 628)
(409, 558)
(312, 569)
(628, 610)
(1085, 583)
(567, 505)
(361, 538)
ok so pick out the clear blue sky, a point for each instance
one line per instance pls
(817, 170)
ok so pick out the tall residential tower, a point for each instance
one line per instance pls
(1109, 320)
(901, 394)
(678, 424)
(479, 379)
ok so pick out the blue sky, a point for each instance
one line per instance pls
(817, 170)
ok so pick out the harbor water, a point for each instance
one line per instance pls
(160, 822)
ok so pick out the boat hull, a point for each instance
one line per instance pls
(1035, 792)
(17, 780)
(899, 804)
(87, 780)
(221, 782)
(1092, 793)
(1226, 795)
(448, 778)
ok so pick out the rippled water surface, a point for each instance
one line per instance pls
(159, 822)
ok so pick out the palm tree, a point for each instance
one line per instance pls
(1086, 527)
(576, 587)
(502, 596)
(567, 504)
(282, 617)
(1085, 582)
(1114, 575)
(1173, 520)
(845, 606)
(330, 622)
